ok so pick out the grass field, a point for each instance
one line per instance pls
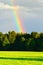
(21, 58)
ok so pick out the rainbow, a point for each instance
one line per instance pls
(17, 20)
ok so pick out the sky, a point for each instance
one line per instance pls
(29, 11)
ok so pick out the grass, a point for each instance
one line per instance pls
(21, 58)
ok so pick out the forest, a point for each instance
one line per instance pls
(13, 41)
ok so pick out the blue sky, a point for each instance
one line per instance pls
(30, 12)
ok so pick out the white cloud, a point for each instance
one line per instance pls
(41, 1)
(38, 8)
(24, 10)
(2, 5)
(6, 6)
(27, 10)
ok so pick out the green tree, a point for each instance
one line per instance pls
(30, 44)
(35, 35)
(11, 36)
(5, 41)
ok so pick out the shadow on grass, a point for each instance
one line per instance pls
(30, 59)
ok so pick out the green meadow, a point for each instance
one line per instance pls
(21, 58)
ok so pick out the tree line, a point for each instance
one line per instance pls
(13, 41)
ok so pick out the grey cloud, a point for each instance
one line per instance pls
(6, 1)
(28, 3)
(25, 3)
(6, 20)
(28, 10)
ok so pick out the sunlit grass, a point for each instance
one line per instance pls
(19, 54)
(16, 62)
(16, 54)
